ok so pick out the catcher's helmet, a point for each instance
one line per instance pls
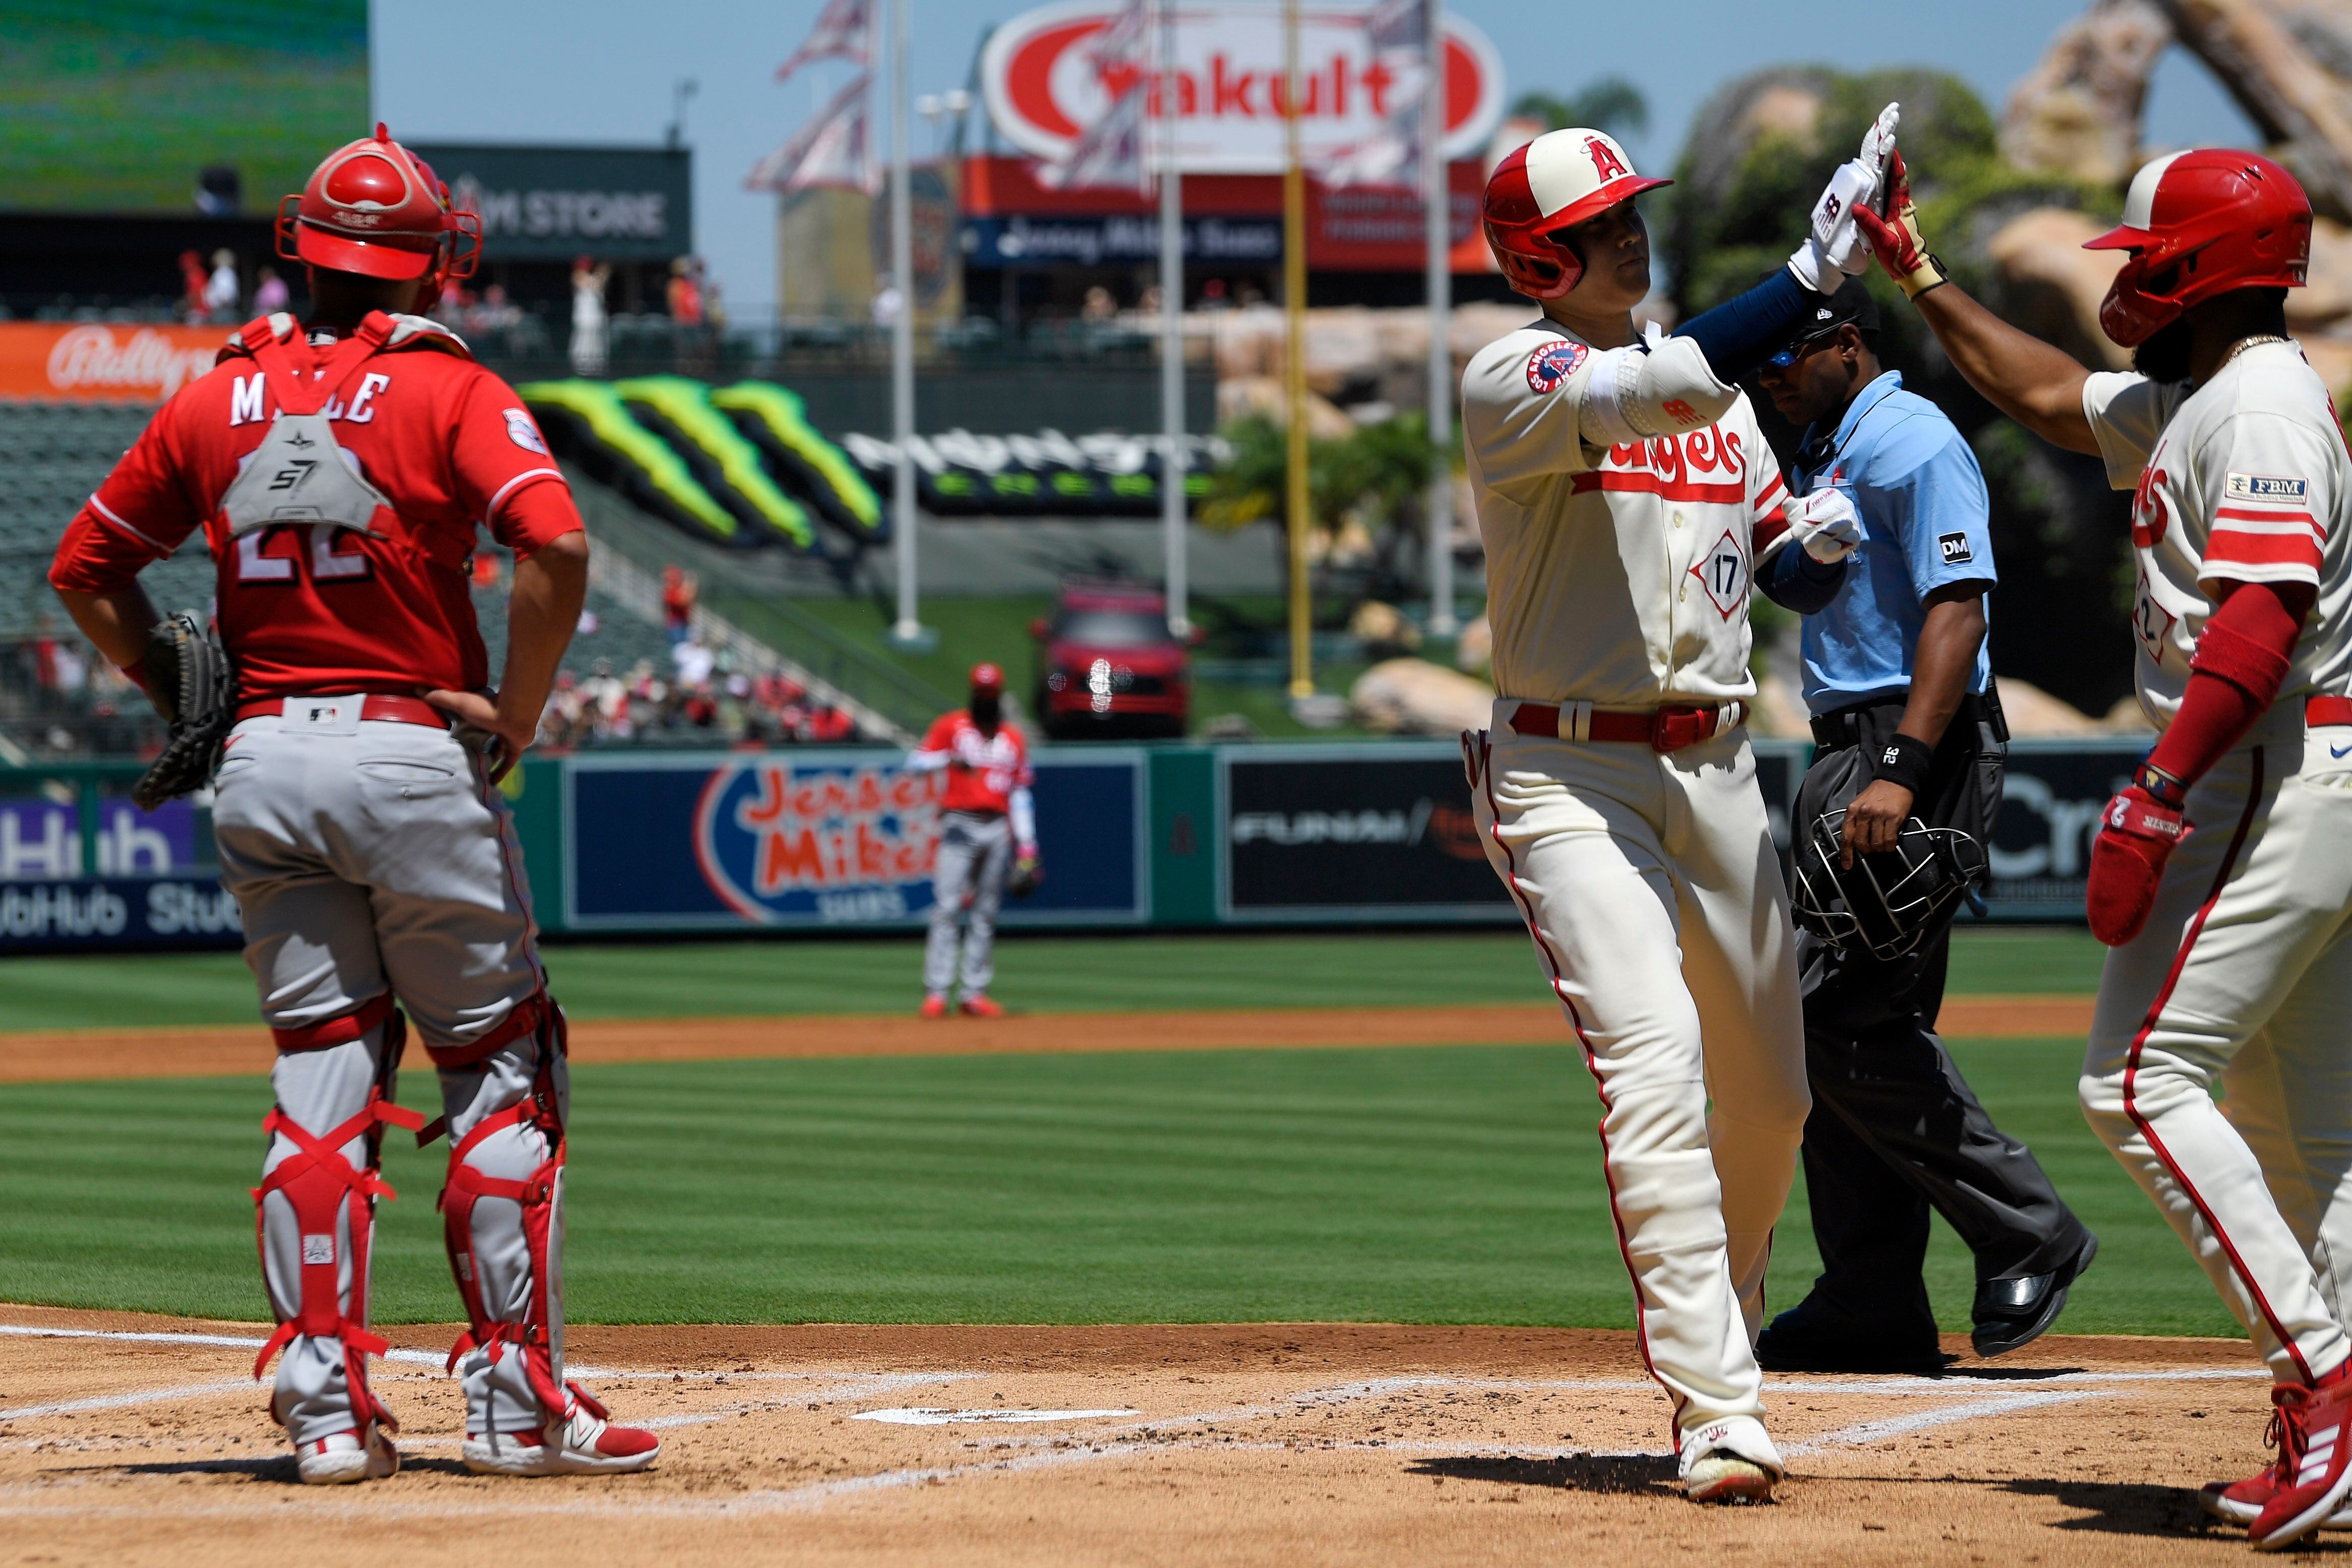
(375, 208)
(2199, 223)
(1884, 904)
(1555, 182)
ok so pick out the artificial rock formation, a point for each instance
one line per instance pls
(2078, 111)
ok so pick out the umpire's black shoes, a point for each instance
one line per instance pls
(2013, 1312)
(1816, 1336)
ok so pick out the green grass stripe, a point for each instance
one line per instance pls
(1456, 1184)
(1040, 973)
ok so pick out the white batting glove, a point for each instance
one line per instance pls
(1826, 524)
(1836, 249)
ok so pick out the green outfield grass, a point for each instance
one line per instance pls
(1040, 973)
(1445, 1184)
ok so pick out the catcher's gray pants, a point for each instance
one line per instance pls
(975, 859)
(1888, 1098)
(371, 861)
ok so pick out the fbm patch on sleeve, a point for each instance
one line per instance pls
(2269, 489)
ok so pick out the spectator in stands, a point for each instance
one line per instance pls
(679, 589)
(693, 660)
(222, 291)
(887, 301)
(1099, 306)
(270, 294)
(192, 282)
(588, 336)
(486, 569)
(685, 292)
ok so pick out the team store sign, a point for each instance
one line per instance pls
(1043, 85)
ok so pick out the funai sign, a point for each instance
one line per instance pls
(551, 203)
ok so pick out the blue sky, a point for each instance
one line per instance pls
(602, 70)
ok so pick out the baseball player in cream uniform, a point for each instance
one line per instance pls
(2222, 876)
(1629, 503)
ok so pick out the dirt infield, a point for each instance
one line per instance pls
(210, 1052)
(137, 1440)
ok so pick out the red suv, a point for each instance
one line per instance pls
(1112, 666)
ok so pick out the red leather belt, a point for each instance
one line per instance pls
(1666, 729)
(382, 706)
(2321, 711)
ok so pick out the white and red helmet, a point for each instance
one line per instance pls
(375, 208)
(2199, 223)
(1555, 182)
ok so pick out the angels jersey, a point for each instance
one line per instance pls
(983, 770)
(311, 607)
(2246, 479)
(1618, 577)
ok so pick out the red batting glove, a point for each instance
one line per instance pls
(1895, 239)
(2137, 832)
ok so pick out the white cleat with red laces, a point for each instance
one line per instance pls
(341, 1457)
(588, 1446)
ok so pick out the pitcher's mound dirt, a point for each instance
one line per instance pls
(139, 1440)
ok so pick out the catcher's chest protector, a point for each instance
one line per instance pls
(299, 473)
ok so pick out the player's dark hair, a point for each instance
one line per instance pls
(987, 710)
(343, 299)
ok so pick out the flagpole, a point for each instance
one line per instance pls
(1294, 310)
(1437, 203)
(1173, 500)
(909, 632)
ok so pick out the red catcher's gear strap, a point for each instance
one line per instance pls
(306, 382)
(535, 1195)
(323, 1186)
(336, 1031)
(2241, 660)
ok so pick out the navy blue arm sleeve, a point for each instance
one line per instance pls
(1795, 580)
(1739, 334)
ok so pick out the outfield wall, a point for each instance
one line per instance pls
(621, 842)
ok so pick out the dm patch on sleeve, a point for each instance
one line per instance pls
(2266, 490)
(1955, 548)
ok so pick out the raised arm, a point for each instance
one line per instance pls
(2034, 383)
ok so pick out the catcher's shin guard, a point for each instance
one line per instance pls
(513, 1304)
(332, 1206)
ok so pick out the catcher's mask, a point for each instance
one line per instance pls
(1884, 904)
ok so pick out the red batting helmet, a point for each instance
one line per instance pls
(987, 678)
(2200, 224)
(373, 207)
(1558, 180)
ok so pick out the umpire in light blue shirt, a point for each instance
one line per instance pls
(1906, 725)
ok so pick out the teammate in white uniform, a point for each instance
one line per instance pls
(1626, 498)
(2222, 877)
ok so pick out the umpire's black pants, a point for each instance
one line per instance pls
(1886, 1096)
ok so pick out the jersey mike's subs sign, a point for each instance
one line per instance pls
(1044, 85)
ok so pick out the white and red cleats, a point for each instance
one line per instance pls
(2314, 1470)
(1730, 1461)
(587, 1446)
(342, 1458)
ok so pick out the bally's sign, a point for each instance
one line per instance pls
(1043, 85)
(552, 204)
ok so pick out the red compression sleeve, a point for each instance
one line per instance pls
(2242, 658)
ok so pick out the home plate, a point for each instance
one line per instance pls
(914, 1417)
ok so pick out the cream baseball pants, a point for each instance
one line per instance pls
(1653, 893)
(2243, 977)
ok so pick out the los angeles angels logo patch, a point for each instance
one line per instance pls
(1553, 363)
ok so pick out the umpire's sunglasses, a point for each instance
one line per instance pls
(1803, 347)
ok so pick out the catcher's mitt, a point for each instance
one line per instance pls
(192, 683)
(1028, 871)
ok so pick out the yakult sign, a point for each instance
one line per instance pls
(1043, 88)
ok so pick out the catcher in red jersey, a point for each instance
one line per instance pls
(341, 470)
(2221, 877)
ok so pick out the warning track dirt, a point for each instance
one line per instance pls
(54, 1056)
(136, 1440)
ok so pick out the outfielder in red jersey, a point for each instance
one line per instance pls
(988, 839)
(341, 473)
